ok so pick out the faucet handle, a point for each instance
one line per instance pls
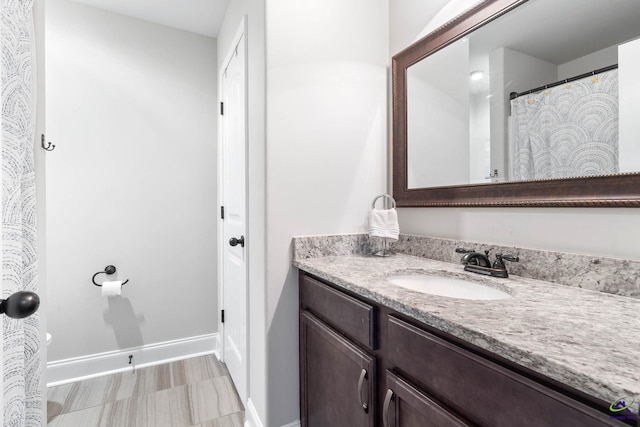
(500, 259)
(512, 258)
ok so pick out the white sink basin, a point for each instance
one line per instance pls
(447, 287)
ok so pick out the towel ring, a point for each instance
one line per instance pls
(109, 269)
(385, 252)
(386, 196)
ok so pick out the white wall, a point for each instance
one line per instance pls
(255, 15)
(479, 139)
(132, 109)
(327, 100)
(629, 93)
(438, 99)
(414, 16)
(601, 231)
(585, 64)
(419, 18)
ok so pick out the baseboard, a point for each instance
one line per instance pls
(251, 418)
(96, 365)
(251, 415)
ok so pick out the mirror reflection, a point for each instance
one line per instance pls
(546, 91)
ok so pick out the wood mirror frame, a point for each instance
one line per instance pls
(622, 190)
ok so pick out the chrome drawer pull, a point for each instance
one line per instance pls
(363, 376)
(385, 407)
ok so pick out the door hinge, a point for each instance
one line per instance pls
(221, 212)
(222, 316)
(222, 108)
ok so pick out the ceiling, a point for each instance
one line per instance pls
(197, 16)
(561, 31)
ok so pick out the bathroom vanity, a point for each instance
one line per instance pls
(375, 354)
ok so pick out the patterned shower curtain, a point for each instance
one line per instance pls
(22, 394)
(566, 131)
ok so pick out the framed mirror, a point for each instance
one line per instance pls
(521, 103)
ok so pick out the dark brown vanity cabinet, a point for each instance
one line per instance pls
(338, 377)
(363, 364)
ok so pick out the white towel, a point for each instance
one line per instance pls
(384, 223)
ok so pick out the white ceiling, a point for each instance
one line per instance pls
(561, 31)
(197, 16)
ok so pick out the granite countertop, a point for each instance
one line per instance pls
(586, 339)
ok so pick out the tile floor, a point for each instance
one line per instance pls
(195, 392)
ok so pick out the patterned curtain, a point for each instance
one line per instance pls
(23, 400)
(567, 131)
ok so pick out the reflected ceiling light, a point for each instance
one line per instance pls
(476, 75)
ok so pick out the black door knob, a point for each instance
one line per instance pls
(21, 304)
(234, 242)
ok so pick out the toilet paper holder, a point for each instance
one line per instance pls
(109, 269)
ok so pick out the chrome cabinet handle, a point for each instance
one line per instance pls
(385, 407)
(21, 304)
(234, 242)
(363, 376)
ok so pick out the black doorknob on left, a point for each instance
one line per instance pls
(21, 304)
(234, 242)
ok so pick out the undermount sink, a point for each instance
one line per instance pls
(447, 287)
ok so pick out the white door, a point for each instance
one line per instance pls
(234, 235)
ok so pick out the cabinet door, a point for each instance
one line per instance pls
(337, 378)
(407, 406)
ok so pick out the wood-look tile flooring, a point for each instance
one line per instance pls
(194, 392)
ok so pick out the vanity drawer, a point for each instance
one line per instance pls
(407, 406)
(480, 390)
(352, 317)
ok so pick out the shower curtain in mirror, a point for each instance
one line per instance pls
(566, 131)
(22, 394)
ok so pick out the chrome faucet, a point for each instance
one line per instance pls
(476, 262)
